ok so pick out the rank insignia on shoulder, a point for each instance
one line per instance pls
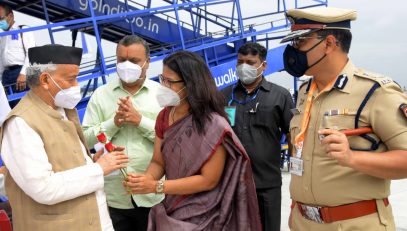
(403, 108)
(385, 81)
(341, 82)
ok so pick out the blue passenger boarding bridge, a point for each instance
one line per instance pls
(168, 26)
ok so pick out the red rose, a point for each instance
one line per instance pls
(101, 138)
(109, 147)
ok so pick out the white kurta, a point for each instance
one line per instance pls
(4, 106)
(24, 155)
(4, 110)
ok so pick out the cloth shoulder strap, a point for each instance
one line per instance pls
(375, 143)
(22, 39)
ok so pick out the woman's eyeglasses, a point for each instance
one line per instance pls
(167, 82)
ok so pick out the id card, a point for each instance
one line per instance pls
(296, 166)
(231, 111)
(298, 152)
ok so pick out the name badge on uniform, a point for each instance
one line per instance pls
(231, 111)
(296, 166)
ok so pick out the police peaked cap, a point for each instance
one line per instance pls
(306, 21)
(55, 54)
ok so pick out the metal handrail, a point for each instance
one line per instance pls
(232, 33)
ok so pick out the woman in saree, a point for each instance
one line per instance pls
(208, 179)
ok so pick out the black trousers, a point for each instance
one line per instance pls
(9, 80)
(130, 219)
(10, 76)
(270, 208)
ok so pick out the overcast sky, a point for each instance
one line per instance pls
(379, 35)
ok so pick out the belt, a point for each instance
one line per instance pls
(12, 67)
(338, 213)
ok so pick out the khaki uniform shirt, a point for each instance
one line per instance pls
(324, 182)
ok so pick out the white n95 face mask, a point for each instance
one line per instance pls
(67, 98)
(167, 97)
(129, 72)
(247, 74)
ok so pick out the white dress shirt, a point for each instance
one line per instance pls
(24, 155)
(12, 51)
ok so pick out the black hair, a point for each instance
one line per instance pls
(203, 95)
(6, 8)
(129, 40)
(254, 49)
(343, 37)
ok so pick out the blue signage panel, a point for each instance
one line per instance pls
(225, 74)
(150, 26)
(275, 62)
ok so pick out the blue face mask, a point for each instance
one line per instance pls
(4, 25)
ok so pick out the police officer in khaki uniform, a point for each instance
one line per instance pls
(349, 131)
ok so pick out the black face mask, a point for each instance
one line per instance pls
(296, 61)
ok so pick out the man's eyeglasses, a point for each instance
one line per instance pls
(167, 82)
(300, 40)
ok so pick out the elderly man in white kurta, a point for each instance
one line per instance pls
(53, 183)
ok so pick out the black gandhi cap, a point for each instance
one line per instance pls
(55, 54)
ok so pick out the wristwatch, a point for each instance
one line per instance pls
(159, 188)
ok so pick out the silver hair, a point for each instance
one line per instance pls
(34, 71)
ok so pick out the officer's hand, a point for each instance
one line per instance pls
(112, 161)
(337, 146)
(128, 112)
(140, 183)
(21, 82)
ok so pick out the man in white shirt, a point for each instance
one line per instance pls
(52, 183)
(13, 52)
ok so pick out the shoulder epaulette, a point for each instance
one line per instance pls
(376, 77)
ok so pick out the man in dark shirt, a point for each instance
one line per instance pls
(259, 112)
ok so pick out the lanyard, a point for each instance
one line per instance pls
(299, 139)
(242, 102)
